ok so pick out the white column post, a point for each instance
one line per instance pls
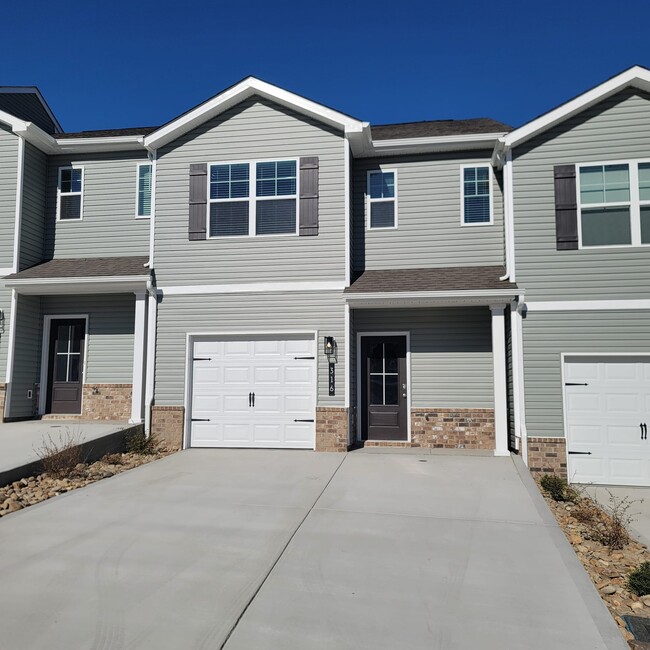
(152, 319)
(139, 348)
(500, 384)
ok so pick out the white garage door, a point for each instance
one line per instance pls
(607, 411)
(253, 393)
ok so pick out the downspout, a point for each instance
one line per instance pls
(508, 218)
(516, 331)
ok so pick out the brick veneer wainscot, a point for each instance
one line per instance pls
(452, 428)
(167, 424)
(107, 401)
(547, 456)
(331, 429)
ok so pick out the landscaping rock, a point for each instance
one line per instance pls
(608, 590)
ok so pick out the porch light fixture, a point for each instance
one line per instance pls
(329, 346)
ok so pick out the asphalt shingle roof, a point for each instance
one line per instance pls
(96, 267)
(436, 128)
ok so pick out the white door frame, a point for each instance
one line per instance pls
(407, 335)
(191, 337)
(45, 354)
(588, 355)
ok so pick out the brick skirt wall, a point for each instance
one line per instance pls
(452, 428)
(547, 456)
(167, 424)
(100, 402)
(331, 429)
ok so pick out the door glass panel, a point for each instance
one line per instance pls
(74, 367)
(376, 358)
(391, 357)
(76, 339)
(391, 390)
(376, 390)
(62, 337)
(61, 367)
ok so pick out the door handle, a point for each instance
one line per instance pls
(403, 390)
(644, 431)
(250, 399)
(253, 394)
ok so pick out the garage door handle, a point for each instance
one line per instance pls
(569, 383)
(581, 453)
(644, 431)
(303, 420)
(250, 399)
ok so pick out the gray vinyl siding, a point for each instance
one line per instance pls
(109, 227)
(111, 325)
(27, 106)
(246, 313)
(254, 129)
(27, 356)
(548, 334)
(451, 353)
(32, 230)
(616, 129)
(8, 180)
(429, 232)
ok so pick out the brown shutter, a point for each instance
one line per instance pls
(566, 208)
(198, 201)
(309, 196)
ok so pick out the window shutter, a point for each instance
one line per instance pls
(198, 201)
(566, 208)
(309, 196)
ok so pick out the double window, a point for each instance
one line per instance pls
(69, 203)
(249, 199)
(382, 199)
(476, 193)
(614, 204)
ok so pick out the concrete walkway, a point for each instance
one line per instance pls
(299, 550)
(20, 442)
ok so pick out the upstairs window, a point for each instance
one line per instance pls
(382, 195)
(476, 188)
(69, 204)
(614, 204)
(144, 180)
(242, 204)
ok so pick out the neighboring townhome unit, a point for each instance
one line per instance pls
(580, 210)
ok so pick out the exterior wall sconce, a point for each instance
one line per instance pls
(329, 346)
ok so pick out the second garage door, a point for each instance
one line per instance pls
(253, 392)
(607, 412)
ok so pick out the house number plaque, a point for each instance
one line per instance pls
(332, 379)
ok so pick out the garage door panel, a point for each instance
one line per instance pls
(284, 388)
(603, 420)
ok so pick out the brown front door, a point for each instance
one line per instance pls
(383, 388)
(65, 370)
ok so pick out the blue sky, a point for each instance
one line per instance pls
(118, 64)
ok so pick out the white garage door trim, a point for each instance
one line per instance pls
(567, 357)
(191, 337)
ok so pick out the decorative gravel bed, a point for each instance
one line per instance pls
(32, 490)
(607, 568)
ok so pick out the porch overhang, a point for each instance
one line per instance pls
(431, 287)
(82, 276)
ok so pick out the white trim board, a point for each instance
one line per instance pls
(588, 305)
(252, 287)
(45, 353)
(409, 383)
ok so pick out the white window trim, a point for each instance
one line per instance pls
(59, 193)
(137, 190)
(462, 194)
(634, 203)
(252, 198)
(370, 201)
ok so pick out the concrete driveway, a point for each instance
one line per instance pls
(276, 549)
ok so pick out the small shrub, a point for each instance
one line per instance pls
(615, 521)
(586, 510)
(60, 458)
(138, 443)
(555, 487)
(639, 580)
(113, 459)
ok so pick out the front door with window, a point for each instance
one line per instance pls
(384, 388)
(65, 370)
